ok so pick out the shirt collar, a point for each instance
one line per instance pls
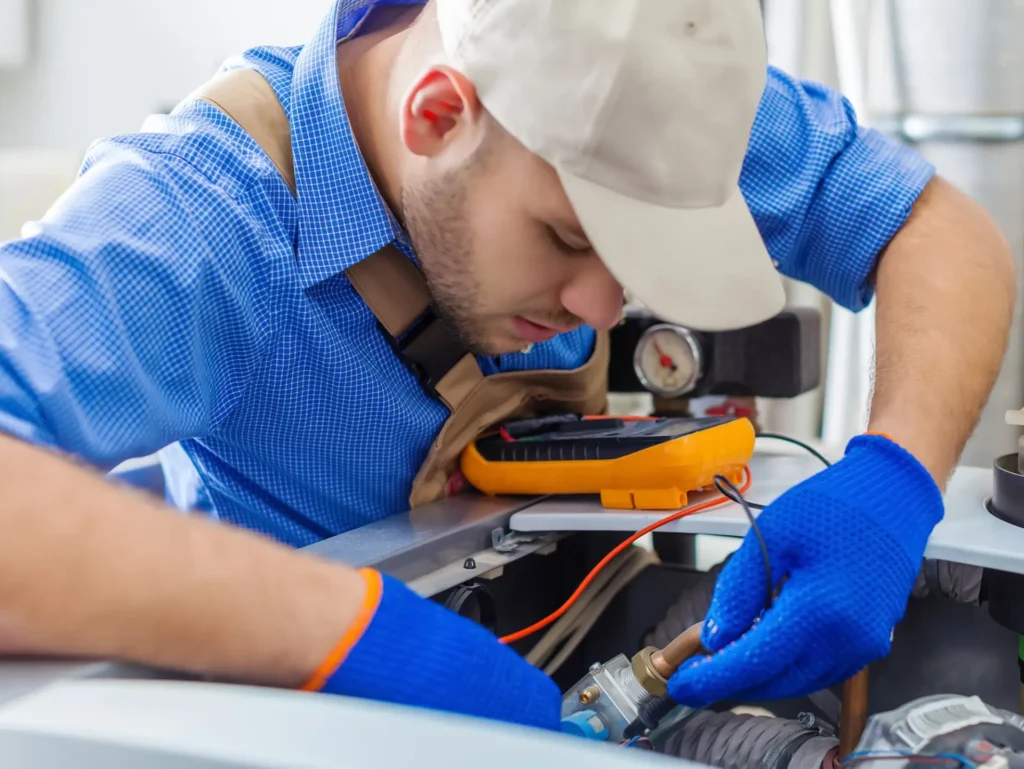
(342, 217)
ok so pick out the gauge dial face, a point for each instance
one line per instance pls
(667, 360)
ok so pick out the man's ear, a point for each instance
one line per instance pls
(441, 105)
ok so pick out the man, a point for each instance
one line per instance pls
(531, 159)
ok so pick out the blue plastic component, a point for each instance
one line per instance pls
(586, 724)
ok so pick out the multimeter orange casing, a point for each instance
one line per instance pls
(641, 464)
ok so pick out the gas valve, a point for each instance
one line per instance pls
(622, 698)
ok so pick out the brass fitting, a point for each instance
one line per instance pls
(646, 674)
(653, 667)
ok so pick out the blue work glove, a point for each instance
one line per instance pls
(849, 542)
(412, 651)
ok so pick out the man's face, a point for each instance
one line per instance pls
(505, 259)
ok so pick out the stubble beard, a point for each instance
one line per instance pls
(435, 218)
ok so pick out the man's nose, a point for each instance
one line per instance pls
(594, 295)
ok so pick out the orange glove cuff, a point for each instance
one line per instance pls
(883, 435)
(354, 633)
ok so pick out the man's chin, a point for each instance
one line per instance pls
(494, 350)
(503, 345)
(494, 340)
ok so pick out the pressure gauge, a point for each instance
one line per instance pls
(667, 360)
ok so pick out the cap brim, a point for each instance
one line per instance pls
(703, 268)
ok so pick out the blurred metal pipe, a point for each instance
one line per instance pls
(947, 76)
(946, 57)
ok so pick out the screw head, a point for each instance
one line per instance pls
(469, 563)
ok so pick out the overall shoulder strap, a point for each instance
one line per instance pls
(387, 281)
(246, 97)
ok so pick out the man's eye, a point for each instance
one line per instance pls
(564, 246)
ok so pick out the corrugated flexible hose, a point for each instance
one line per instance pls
(733, 740)
(740, 741)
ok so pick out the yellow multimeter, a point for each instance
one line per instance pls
(643, 463)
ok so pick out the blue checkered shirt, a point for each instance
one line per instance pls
(178, 299)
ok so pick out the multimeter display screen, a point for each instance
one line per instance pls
(574, 439)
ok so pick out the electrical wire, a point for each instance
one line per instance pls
(565, 635)
(728, 489)
(734, 495)
(555, 635)
(913, 759)
(595, 611)
(686, 511)
(899, 755)
(809, 449)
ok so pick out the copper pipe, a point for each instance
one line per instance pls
(685, 645)
(854, 715)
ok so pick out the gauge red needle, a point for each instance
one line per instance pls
(663, 359)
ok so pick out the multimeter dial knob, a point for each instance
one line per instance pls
(668, 360)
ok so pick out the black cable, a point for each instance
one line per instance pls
(728, 489)
(795, 442)
(655, 709)
(809, 449)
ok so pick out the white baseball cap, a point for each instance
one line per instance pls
(644, 108)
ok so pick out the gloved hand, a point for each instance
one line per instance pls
(412, 651)
(849, 542)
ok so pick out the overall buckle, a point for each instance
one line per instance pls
(428, 348)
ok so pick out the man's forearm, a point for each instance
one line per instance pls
(87, 569)
(945, 294)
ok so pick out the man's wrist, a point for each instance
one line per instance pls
(373, 591)
(931, 450)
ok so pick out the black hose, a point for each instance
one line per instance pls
(739, 741)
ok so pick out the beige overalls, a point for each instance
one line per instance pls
(396, 292)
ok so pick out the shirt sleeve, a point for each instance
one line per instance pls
(827, 194)
(130, 315)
